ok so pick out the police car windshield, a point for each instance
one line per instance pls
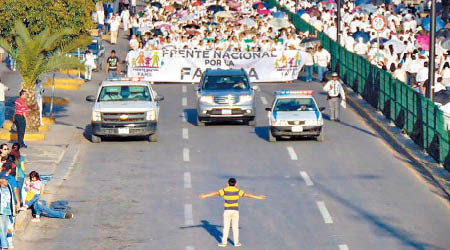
(124, 93)
(225, 83)
(295, 104)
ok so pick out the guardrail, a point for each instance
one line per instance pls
(418, 116)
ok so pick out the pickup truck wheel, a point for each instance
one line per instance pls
(271, 137)
(200, 123)
(96, 139)
(321, 137)
(153, 137)
(252, 123)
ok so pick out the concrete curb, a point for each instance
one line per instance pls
(61, 173)
(58, 101)
(402, 142)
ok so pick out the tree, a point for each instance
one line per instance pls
(39, 54)
(38, 15)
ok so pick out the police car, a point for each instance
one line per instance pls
(295, 113)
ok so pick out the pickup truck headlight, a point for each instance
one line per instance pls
(245, 98)
(207, 99)
(96, 116)
(151, 115)
(279, 123)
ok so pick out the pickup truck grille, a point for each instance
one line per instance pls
(123, 117)
(225, 99)
(296, 123)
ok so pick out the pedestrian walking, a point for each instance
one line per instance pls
(321, 58)
(7, 210)
(231, 195)
(112, 65)
(89, 65)
(336, 95)
(114, 25)
(3, 89)
(20, 116)
(309, 64)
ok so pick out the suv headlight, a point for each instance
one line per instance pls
(279, 123)
(96, 116)
(207, 99)
(151, 115)
(245, 98)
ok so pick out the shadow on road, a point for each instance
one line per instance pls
(211, 229)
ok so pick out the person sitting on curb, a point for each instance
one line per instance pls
(39, 207)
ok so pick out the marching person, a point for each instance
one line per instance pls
(20, 116)
(231, 195)
(335, 94)
(112, 65)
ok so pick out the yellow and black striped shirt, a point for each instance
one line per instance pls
(231, 196)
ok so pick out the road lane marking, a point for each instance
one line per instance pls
(306, 178)
(188, 220)
(292, 153)
(184, 101)
(343, 247)
(183, 116)
(264, 100)
(184, 89)
(324, 211)
(187, 180)
(185, 133)
(190, 248)
(186, 154)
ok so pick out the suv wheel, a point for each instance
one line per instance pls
(95, 139)
(200, 123)
(252, 123)
(153, 137)
(271, 137)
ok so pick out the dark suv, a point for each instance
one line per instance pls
(225, 95)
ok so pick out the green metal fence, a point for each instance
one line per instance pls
(409, 110)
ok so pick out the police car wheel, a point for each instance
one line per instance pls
(96, 139)
(200, 123)
(271, 137)
(153, 137)
(320, 137)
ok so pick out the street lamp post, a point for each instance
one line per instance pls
(431, 66)
(338, 28)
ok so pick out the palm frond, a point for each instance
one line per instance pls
(22, 31)
(6, 46)
(58, 62)
(53, 41)
(80, 42)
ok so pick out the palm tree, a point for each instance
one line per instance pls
(39, 54)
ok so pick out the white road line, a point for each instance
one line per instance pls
(185, 133)
(343, 247)
(184, 101)
(186, 154)
(183, 116)
(324, 211)
(188, 219)
(184, 89)
(292, 153)
(190, 248)
(264, 100)
(306, 178)
(187, 180)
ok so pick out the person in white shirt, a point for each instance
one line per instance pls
(321, 58)
(445, 73)
(309, 63)
(422, 77)
(115, 23)
(335, 93)
(400, 74)
(134, 43)
(413, 68)
(125, 16)
(361, 48)
(3, 88)
(89, 65)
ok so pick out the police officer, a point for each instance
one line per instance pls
(335, 94)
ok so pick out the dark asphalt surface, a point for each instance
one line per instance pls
(132, 194)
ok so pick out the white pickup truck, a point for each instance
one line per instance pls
(125, 107)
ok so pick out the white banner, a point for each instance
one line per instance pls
(188, 65)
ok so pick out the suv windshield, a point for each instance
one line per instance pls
(225, 83)
(124, 93)
(295, 104)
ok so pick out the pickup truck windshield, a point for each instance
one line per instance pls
(295, 104)
(124, 93)
(225, 83)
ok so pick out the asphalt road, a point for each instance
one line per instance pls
(351, 191)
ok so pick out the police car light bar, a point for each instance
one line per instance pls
(294, 92)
